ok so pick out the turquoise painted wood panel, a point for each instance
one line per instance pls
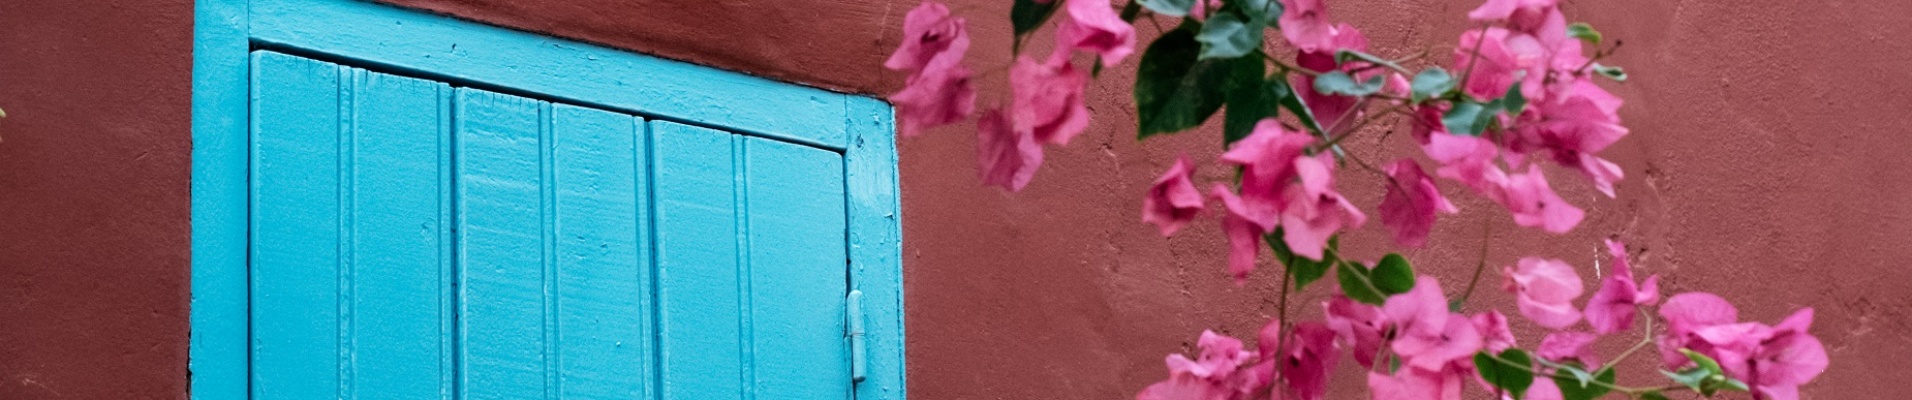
(414, 240)
(295, 229)
(400, 315)
(797, 271)
(603, 255)
(503, 258)
(700, 284)
(351, 275)
(876, 245)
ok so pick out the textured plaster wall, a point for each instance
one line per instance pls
(94, 211)
(1767, 163)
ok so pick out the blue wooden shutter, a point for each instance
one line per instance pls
(411, 239)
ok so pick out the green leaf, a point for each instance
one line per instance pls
(1355, 284)
(1173, 90)
(1431, 83)
(1392, 275)
(1653, 395)
(1342, 57)
(1128, 11)
(1735, 384)
(1173, 8)
(1338, 82)
(1227, 35)
(1694, 378)
(1574, 388)
(1611, 72)
(1467, 117)
(1514, 379)
(1269, 10)
(1704, 362)
(1027, 15)
(1584, 32)
(1293, 104)
(1514, 101)
(1250, 100)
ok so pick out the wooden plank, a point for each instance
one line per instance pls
(698, 279)
(798, 271)
(296, 228)
(469, 53)
(220, 313)
(400, 307)
(502, 254)
(603, 266)
(876, 244)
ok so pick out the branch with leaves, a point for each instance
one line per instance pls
(1521, 97)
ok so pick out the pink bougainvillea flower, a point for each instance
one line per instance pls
(1201, 9)
(1569, 346)
(1534, 203)
(1332, 110)
(1415, 384)
(1468, 160)
(1570, 127)
(1542, 389)
(1504, 59)
(1411, 203)
(1772, 360)
(1007, 157)
(938, 90)
(1545, 289)
(1359, 325)
(1422, 310)
(1502, 10)
(1185, 387)
(1496, 336)
(1093, 26)
(1685, 312)
(1305, 24)
(1612, 307)
(1048, 99)
(1244, 234)
(1789, 359)
(1173, 200)
(934, 97)
(930, 37)
(1315, 211)
(1221, 355)
(1310, 357)
(1215, 375)
(1456, 341)
(1267, 157)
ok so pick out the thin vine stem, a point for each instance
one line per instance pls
(1629, 390)
(1486, 236)
(1281, 321)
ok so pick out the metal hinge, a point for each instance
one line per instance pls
(854, 330)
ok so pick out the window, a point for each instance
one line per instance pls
(411, 206)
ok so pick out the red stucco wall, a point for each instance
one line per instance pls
(94, 198)
(1767, 163)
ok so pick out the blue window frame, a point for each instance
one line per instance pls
(462, 99)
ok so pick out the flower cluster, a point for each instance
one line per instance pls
(1048, 104)
(1522, 100)
(1416, 348)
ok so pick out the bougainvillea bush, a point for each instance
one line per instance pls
(1518, 98)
